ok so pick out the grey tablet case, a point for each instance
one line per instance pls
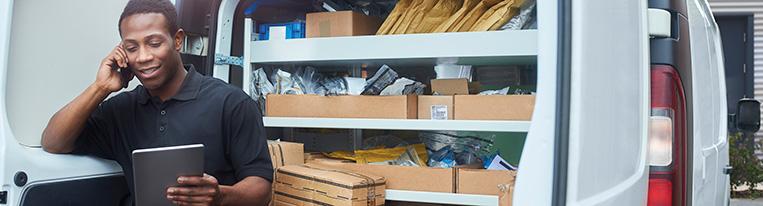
(156, 169)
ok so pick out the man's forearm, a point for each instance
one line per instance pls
(64, 127)
(249, 191)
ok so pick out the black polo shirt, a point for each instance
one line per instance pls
(204, 111)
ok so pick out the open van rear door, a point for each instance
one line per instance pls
(49, 52)
(609, 103)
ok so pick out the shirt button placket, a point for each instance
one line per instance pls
(163, 121)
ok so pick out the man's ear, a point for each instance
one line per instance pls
(179, 37)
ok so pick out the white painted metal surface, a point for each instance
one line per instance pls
(429, 47)
(398, 124)
(659, 23)
(25, 109)
(247, 67)
(710, 186)
(224, 36)
(441, 198)
(534, 182)
(609, 103)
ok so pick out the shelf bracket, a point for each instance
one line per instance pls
(221, 59)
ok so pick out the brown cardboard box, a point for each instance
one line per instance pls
(442, 104)
(286, 153)
(340, 23)
(450, 86)
(487, 182)
(303, 185)
(384, 107)
(402, 177)
(493, 107)
(282, 154)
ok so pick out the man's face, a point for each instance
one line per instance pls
(151, 50)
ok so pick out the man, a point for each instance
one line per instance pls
(174, 106)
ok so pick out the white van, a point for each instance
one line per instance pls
(606, 71)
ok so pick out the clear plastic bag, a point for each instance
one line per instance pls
(523, 19)
(285, 84)
(260, 86)
(309, 80)
(446, 149)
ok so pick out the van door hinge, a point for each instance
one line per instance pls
(744, 68)
(659, 23)
(744, 37)
(221, 59)
(3, 197)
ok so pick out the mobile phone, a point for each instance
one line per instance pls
(125, 74)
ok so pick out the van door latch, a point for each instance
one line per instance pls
(728, 169)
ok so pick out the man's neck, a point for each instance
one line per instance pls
(172, 87)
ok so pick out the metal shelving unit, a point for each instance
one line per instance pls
(470, 48)
(398, 124)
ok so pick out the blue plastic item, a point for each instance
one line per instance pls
(294, 30)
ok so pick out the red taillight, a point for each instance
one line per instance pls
(660, 192)
(667, 139)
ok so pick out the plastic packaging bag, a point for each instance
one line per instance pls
(355, 85)
(383, 78)
(381, 154)
(446, 149)
(260, 87)
(504, 91)
(404, 86)
(451, 71)
(524, 18)
(284, 83)
(309, 80)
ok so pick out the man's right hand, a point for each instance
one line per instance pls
(109, 79)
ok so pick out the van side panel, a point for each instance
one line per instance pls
(609, 106)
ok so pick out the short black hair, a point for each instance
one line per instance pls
(163, 7)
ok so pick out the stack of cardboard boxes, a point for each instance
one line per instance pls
(322, 181)
(453, 102)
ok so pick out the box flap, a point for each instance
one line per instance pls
(450, 86)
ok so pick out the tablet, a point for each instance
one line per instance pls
(156, 169)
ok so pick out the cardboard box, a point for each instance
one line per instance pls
(304, 185)
(435, 107)
(493, 107)
(282, 154)
(341, 23)
(383, 107)
(450, 86)
(487, 182)
(286, 153)
(401, 177)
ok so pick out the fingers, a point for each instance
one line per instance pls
(120, 56)
(191, 191)
(190, 199)
(206, 180)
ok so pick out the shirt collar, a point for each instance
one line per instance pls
(189, 89)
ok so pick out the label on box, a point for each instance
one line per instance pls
(439, 112)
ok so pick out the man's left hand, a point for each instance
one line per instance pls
(193, 190)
